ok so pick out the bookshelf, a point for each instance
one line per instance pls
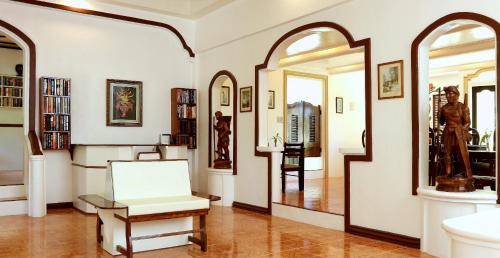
(55, 113)
(11, 91)
(183, 117)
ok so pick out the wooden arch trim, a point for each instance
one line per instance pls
(366, 43)
(112, 16)
(33, 138)
(235, 118)
(415, 82)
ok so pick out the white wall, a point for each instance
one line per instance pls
(345, 129)
(90, 50)
(381, 188)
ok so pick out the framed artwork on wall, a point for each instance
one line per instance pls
(339, 105)
(224, 96)
(123, 103)
(390, 80)
(270, 99)
(246, 99)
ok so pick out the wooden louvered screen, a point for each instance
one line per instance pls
(303, 125)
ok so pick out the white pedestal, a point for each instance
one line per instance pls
(438, 206)
(113, 231)
(275, 170)
(474, 236)
(221, 183)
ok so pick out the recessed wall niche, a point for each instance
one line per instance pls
(223, 98)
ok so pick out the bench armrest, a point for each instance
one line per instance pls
(100, 202)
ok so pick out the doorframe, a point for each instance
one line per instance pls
(324, 112)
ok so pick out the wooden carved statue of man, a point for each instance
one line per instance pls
(223, 132)
(456, 118)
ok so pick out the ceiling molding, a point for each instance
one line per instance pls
(463, 67)
(319, 54)
(463, 48)
(462, 28)
(345, 68)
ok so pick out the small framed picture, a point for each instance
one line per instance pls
(224, 96)
(339, 105)
(270, 99)
(123, 103)
(390, 80)
(246, 99)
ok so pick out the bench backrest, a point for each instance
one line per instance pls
(139, 179)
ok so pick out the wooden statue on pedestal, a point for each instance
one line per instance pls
(223, 131)
(456, 118)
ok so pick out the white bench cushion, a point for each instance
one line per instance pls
(164, 204)
(137, 179)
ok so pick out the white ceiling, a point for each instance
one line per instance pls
(183, 8)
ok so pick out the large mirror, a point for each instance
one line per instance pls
(11, 112)
(464, 56)
(316, 101)
(223, 122)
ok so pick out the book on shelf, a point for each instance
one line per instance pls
(183, 116)
(55, 109)
(11, 91)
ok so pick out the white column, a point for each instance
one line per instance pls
(37, 204)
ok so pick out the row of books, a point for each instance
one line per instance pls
(11, 92)
(185, 111)
(57, 105)
(56, 122)
(56, 141)
(187, 126)
(11, 81)
(189, 140)
(11, 102)
(187, 96)
(56, 86)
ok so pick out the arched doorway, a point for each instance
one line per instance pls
(261, 92)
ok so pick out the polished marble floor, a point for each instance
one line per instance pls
(231, 233)
(326, 195)
(11, 178)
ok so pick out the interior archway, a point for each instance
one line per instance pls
(420, 58)
(261, 117)
(218, 81)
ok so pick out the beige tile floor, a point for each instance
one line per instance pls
(231, 233)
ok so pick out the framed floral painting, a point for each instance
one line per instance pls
(123, 103)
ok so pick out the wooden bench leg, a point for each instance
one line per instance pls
(203, 228)
(128, 238)
(98, 229)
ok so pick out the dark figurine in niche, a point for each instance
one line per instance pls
(455, 117)
(19, 69)
(223, 131)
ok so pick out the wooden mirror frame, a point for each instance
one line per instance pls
(494, 25)
(234, 130)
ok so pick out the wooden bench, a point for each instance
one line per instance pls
(157, 196)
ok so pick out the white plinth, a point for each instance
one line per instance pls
(474, 236)
(221, 183)
(113, 231)
(275, 170)
(438, 206)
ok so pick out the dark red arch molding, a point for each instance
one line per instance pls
(235, 118)
(35, 147)
(414, 82)
(112, 16)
